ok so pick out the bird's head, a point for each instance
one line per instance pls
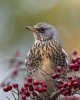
(44, 32)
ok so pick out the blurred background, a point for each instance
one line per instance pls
(64, 15)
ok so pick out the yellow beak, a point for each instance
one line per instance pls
(31, 28)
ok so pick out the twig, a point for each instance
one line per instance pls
(7, 98)
(17, 59)
(38, 96)
(44, 77)
(13, 67)
(18, 93)
(9, 74)
(74, 92)
(45, 72)
(55, 95)
(13, 96)
(14, 92)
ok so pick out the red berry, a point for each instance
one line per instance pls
(76, 69)
(74, 52)
(30, 85)
(26, 92)
(70, 85)
(29, 79)
(44, 85)
(15, 85)
(41, 82)
(75, 85)
(65, 84)
(34, 93)
(73, 80)
(23, 88)
(23, 97)
(70, 77)
(70, 66)
(74, 60)
(59, 86)
(9, 87)
(31, 88)
(44, 89)
(58, 68)
(65, 93)
(76, 66)
(69, 91)
(69, 70)
(36, 82)
(38, 89)
(57, 75)
(62, 90)
(5, 89)
(26, 84)
(53, 76)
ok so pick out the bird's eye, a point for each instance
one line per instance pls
(41, 30)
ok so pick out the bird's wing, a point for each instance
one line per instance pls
(33, 60)
(66, 56)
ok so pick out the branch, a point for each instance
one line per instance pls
(14, 96)
(7, 98)
(9, 74)
(55, 95)
(38, 96)
(12, 69)
(7, 59)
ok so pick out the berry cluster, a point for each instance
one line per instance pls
(70, 84)
(57, 74)
(75, 65)
(30, 88)
(10, 86)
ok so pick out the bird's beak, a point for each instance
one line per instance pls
(31, 28)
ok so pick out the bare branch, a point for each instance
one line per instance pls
(13, 96)
(55, 95)
(7, 98)
(12, 69)
(38, 96)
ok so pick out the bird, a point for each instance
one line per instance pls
(45, 54)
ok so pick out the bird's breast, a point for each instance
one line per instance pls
(46, 51)
(46, 65)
